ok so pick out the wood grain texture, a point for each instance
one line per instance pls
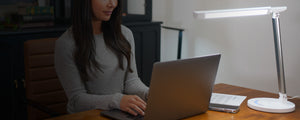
(245, 113)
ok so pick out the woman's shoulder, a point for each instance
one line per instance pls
(127, 34)
(66, 36)
(125, 30)
(66, 39)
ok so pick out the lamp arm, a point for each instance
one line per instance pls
(278, 53)
(280, 105)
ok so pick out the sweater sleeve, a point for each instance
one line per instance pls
(78, 97)
(133, 84)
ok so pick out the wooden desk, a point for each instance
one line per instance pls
(245, 113)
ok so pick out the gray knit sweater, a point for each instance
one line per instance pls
(105, 89)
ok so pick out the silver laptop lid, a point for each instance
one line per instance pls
(181, 88)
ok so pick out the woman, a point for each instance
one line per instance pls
(95, 61)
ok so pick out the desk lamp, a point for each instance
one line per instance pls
(272, 105)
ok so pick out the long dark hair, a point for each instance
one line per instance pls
(82, 30)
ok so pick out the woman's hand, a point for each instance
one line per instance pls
(133, 105)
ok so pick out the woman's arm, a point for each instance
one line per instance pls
(133, 84)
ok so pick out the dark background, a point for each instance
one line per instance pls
(147, 41)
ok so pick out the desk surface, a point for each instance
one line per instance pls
(245, 113)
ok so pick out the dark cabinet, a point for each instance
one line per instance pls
(7, 86)
(12, 68)
(147, 47)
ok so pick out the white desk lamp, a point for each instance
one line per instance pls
(273, 105)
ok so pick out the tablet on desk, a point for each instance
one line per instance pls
(224, 108)
(226, 102)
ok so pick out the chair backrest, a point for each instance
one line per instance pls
(41, 82)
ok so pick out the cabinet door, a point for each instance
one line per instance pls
(12, 70)
(7, 86)
(147, 48)
(11, 83)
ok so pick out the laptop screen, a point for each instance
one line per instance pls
(181, 88)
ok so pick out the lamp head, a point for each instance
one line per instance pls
(211, 14)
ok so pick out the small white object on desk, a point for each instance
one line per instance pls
(226, 102)
(227, 99)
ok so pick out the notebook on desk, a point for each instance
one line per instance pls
(178, 89)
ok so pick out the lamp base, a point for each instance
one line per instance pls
(271, 105)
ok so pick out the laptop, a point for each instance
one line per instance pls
(178, 89)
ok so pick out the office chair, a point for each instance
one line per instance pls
(45, 96)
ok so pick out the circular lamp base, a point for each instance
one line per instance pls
(271, 105)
